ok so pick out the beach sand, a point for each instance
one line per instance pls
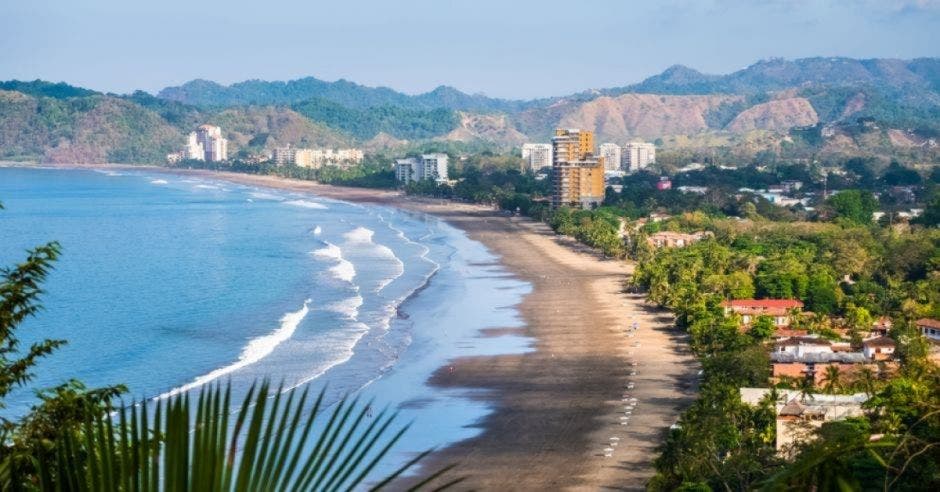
(558, 410)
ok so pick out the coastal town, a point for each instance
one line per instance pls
(499, 246)
(821, 367)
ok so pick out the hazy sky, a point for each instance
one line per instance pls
(506, 48)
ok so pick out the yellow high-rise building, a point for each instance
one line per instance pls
(577, 174)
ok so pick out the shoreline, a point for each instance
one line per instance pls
(556, 408)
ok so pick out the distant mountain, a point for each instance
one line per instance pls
(805, 108)
(205, 93)
(59, 90)
(777, 74)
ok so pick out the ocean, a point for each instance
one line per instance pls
(168, 282)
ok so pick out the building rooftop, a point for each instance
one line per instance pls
(879, 342)
(819, 357)
(804, 340)
(928, 322)
(763, 303)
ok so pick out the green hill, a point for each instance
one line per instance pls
(795, 108)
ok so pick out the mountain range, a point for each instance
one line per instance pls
(795, 108)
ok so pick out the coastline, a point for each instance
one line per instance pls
(557, 407)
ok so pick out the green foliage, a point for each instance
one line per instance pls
(854, 206)
(366, 123)
(720, 443)
(20, 289)
(37, 87)
(597, 228)
(274, 442)
(90, 129)
(205, 93)
(782, 277)
(762, 329)
(369, 174)
(822, 293)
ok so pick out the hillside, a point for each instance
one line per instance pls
(779, 114)
(205, 93)
(91, 129)
(913, 76)
(269, 126)
(643, 115)
(794, 108)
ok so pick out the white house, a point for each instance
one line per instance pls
(929, 328)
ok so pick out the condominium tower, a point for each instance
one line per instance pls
(537, 155)
(611, 154)
(204, 144)
(577, 174)
(426, 167)
(214, 146)
(638, 155)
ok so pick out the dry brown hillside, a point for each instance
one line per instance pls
(643, 115)
(486, 127)
(780, 114)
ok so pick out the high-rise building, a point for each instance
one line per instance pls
(638, 155)
(214, 146)
(194, 149)
(283, 155)
(537, 155)
(577, 174)
(426, 167)
(611, 154)
(204, 144)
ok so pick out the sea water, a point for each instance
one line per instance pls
(169, 282)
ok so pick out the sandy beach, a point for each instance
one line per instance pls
(587, 408)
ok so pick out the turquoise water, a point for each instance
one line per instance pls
(167, 282)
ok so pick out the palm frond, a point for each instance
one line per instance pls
(276, 442)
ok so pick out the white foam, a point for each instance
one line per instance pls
(307, 204)
(342, 353)
(206, 187)
(317, 230)
(159, 182)
(343, 270)
(348, 307)
(257, 349)
(362, 236)
(359, 235)
(260, 195)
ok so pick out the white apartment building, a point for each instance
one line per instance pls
(204, 144)
(193, 149)
(611, 154)
(425, 167)
(214, 146)
(537, 155)
(637, 156)
(315, 158)
(283, 155)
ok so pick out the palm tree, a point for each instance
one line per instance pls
(274, 442)
(831, 380)
(865, 380)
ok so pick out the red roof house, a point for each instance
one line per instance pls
(749, 309)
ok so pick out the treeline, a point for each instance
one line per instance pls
(852, 273)
(369, 174)
(368, 122)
